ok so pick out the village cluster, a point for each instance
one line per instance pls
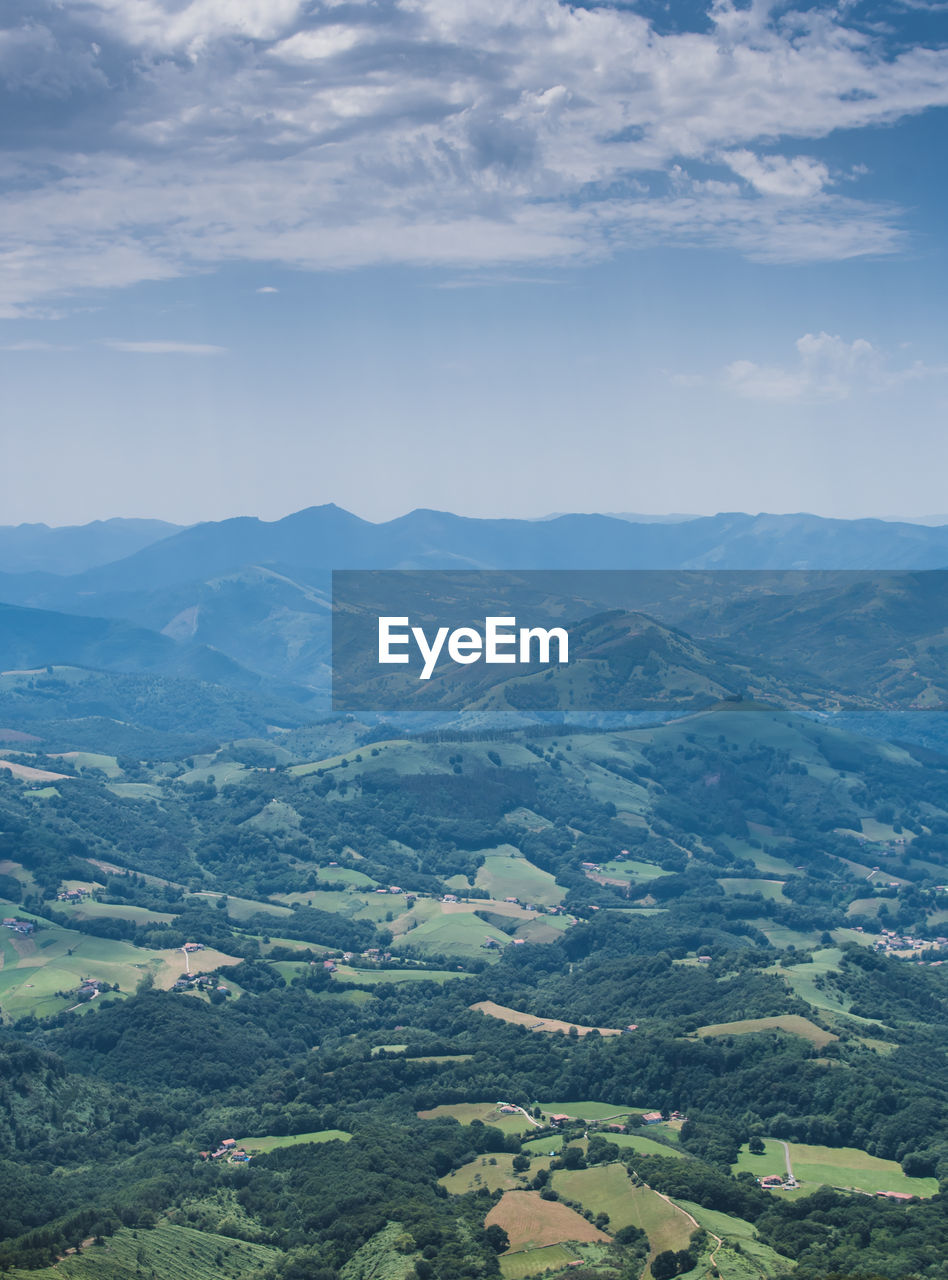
(227, 1147)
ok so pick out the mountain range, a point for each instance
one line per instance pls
(245, 603)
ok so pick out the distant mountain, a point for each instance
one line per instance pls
(37, 638)
(28, 548)
(617, 662)
(319, 539)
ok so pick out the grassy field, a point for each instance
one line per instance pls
(630, 871)
(792, 1023)
(465, 1112)
(781, 935)
(506, 873)
(771, 889)
(83, 760)
(55, 959)
(531, 1222)
(607, 1188)
(589, 1110)
(453, 935)
(549, 1260)
(494, 1172)
(377, 977)
(89, 910)
(835, 1167)
(505, 1014)
(275, 1141)
(171, 1252)
(645, 1146)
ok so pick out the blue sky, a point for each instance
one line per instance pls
(503, 257)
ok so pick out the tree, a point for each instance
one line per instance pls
(756, 1146)
(665, 1265)
(497, 1238)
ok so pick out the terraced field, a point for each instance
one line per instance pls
(171, 1252)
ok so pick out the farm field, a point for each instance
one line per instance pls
(781, 935)
(607, 1188)
(494, 1010)
(507, 874)
(531, 1222)
(240, 909)
(89, 910)
(630, 871)
(590, 1110)
(645, 1146)
(846, 1167)
(83, 760)
(465, 1112)
(793, 1023)
(275, 1141)
(375, 977)
(461, 935)
(172, 1252)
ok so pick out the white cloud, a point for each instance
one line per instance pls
(166, 348)
(488, 133)
(267, 288)
(796, 177)
(828, 368)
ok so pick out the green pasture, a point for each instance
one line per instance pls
(643, 1145)
(89, 910)
(631, 871)
(83, 760)
(465, 1112)
(135, 790)
(458, 935)
(275, 1141)
(590, 1110)
(782, 936)
(847, 1167)
(507, 874)
(548, 1260)
(379, 977)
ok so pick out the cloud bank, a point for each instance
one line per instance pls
(147, 139)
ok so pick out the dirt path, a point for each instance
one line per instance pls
(786, 1152)
(524, 1113)
(692, 1219)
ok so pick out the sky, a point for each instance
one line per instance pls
(500, 257)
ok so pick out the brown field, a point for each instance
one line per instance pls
(537, 1024)
(793, 1023)
(29, 774)
(531, 1222)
